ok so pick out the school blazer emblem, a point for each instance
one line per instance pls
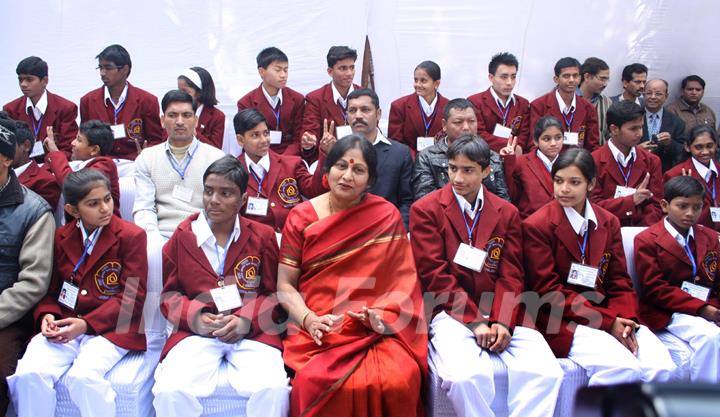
(494, 249)
(581, 136)
(603, 266)
(289, 192)
(107, 279)
(247, 273)
(515, 124)
(135, 129)
(710, 264)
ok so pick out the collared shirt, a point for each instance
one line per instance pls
(19, 170)
(428, 108)
(85, 236)
(622, 98)
(595, 97)
(38, 109)
(121, 100)
(380, 138)
(205, 239)
(261, 168)
(547, 162)
(561, 103)
(191, 149)
(273, 100)
(654, 125)
(705, 172)
(467, 208)
(679, 238)
(337, 96)
(618, 155)
(579, 223)
(498, 100)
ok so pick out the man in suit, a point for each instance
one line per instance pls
(394, 163)
(663, 131)
(634, 77)
(42, 109)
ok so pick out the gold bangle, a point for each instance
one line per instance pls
(304, 316)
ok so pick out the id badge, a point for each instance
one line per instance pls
(583, 275)
(715, 214)
(275, 137)
(697, 291)
(342, 131)
(502, 131)
(226, 297)
(470, 257)
(257, 206)
(37, 150)
(621, 191)
(571, 138)
(118, 131)
(182, 193)
(68, 295)
(425, 142)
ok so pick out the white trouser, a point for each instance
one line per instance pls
(88, 359)
(534, 375)
(607, 361)
(155, 323)
(190, 370)
(125, 167)
(704, 340)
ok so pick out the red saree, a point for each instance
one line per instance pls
(359, 257)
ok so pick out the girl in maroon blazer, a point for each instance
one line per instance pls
(197, 82)
(529, 181)
(587, 308)
(91, 315)
(415, 119)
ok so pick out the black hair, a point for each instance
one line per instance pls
(230, 168)
(338, 53)
(592, 66)
(579, 157)
(503, 58)
(177, 96)
(629, 70)
(100, 134)
(247, 119)
(78, 184)
(698, 130)
(567, 62)
(23, 133)
(117, 55)
(457, 104)
(32, 65)
(472, 147)
(365, 92)
(269, 55)
(544, 123)
(353, 141)
(695, 78)
(683, 186)
(207, 92)
(624, 111)
(432, 69)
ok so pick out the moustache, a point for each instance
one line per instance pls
(359, 122)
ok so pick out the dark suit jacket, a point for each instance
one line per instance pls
(672, 153)
(394, 170)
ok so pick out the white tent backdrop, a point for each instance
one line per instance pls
(673, 38)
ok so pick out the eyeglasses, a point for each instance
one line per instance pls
(654, 95)
(107, 68)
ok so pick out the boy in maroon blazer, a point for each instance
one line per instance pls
(42, 109)
(328, 104)
(577, 114)
(501, 114)
(466, 243)
(219, 272)
(281, 105)
(134, 114)
(29, 173)
(676, 260)
(629, 178)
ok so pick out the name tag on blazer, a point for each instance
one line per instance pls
(425, 142)
(583, 275)
(697, 291)
(68, 295)
(470, 257)
(571, 138)
(275, 137)
(621, 191)
(226, 297)
(502, 131)
(118, 131)
(257, 206)
(715, 214)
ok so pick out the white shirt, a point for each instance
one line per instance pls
(121, 100)
(207, 242)
(85, 236)
(380, 138)
(618, 155)
(547, 162)
(337, 96)
(468, 208)
(261, 168)
(637, 99)
(19, 170)
(38, 109)
(273, 100)
(578, 222)
(704, 171)
(199, 110)
(679, 238)
(497, 98)
(428, 108)
(561, 103)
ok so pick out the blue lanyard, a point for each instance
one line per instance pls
(276, 114)
(118, 109)
(469, 228)
(36, 127)
(505, 110)
(713, 191)
(626, 177)
(257, 179)
(181, 170)
(583, 247)
(690, 255)
(221, 261)
(343, 110)
(568, 123)
(86, 250)
(427, 121)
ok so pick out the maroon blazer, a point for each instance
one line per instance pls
(291, 117)
(609, 176)
(112, 282)
(285, 185)
(437, 229)
(488, 114)
(58, 164)
(585, 121)
(189, 277)
(319, 106)
(662, 266)
(42, 181)
(406, 120)
(550, 245)
(211, 127)
(60, 114)
(140, 115)
(705, 218)
(529, 182)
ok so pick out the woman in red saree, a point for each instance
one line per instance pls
(357, 339)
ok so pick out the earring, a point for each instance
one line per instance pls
(325, 182)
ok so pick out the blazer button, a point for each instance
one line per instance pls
(79, 316)
(272, 204)
(83, 292)
(628, 213)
